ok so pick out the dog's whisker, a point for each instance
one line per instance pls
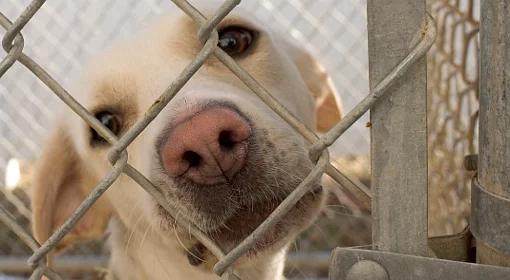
(149, 228)
(188, 251)
(132, 233)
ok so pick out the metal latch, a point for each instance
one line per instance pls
(356, 264)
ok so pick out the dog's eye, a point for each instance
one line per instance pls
(109, 120)
(235, 40)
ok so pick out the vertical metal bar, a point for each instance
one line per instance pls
(399, 131)
(494, 154)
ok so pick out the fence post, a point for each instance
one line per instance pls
(399, 131)
(491, 193)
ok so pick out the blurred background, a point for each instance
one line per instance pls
(64, 34)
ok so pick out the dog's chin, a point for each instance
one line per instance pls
(229, 228)
(246, 219)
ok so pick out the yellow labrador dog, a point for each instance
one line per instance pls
(218, 153)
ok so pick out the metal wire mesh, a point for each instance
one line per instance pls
(13, 45)
(452, 112)
(63, 34)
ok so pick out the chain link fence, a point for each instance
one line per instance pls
(63, 34)
(74, 32)
(452, 112)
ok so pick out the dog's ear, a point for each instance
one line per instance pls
(60, 183)
(327, 101)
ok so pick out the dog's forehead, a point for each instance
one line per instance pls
(118, 73)
(210, 7)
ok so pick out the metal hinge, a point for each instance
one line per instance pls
(356, 264)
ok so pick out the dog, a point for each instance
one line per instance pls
(217, 153)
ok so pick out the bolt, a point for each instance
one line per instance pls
(367, 270)
(471, 162)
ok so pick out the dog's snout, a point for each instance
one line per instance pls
(209, 147)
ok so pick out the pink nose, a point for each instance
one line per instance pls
(210, 147)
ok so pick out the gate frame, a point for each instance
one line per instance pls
(399, 246)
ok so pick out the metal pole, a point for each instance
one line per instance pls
(491, 192)
(399, 131)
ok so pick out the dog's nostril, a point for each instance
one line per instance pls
(225, 139)
(209, 146)
(192, 158)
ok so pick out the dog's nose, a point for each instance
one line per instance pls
(209, 147)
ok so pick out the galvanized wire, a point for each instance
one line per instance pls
(118, 156)
(10, 221)
(53, 240)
